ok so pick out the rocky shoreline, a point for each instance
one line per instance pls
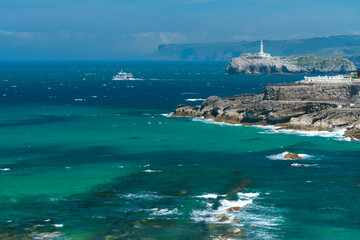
(277, 106)
(297, 64)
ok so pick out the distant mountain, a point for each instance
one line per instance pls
(344, 46)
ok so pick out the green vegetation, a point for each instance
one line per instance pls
(316, 61)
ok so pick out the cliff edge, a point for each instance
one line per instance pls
(297, 64)
(281, 106)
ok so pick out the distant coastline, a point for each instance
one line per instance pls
(347, 46)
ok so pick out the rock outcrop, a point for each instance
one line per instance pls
(250, 109)
(292, 156)
(297, 64)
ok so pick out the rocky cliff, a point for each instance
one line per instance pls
(261, 109)
(297, 64)
(316, 93)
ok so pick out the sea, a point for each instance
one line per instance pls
(85, 157)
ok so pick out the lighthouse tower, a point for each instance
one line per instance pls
(261, 53)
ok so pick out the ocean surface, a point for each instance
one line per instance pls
(85, 157)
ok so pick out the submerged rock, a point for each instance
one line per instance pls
(223, 219)
(233, 209)
(181, 193)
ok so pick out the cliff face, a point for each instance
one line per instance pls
(297, 64)
(317, 93)
(267, 108)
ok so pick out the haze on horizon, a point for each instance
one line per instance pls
(132, 29)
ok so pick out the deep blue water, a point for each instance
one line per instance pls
(84, 157)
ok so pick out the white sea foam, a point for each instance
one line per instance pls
(264, 218)
(210, 121)
(5, 169)
(210, 195)
(164, 212)
(58, 225)
(337, 134)
(141, 195)
(151, 171)
(302, 165)
(194, 99)
(42, 236)
(281, 156)
(210, 215)
(166, 114)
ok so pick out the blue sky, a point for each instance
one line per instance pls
(127, 29)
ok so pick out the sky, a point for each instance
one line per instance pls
(132, 29)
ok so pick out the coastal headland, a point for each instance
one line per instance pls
(291, 106)
(262, 63)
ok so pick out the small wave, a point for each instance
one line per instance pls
(194, 99)
(210, 195)
(303, 165)
(50, 235)
(337, 133)
(151, 171)
(189, 93)
(141, 195)
(167, 114)
(164, 212)
(58, 225)
(211, 121)
(242, 212)
(210, 215)
(281, 156)
(5, 169)
(270, 128)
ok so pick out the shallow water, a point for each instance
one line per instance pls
(84, 157)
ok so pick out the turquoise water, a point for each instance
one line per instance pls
(84, 157)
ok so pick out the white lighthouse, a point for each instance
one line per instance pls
(261, 53)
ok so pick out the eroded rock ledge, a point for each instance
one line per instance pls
(298, 64)
(267, 109)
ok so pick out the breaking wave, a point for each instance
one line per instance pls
(281, 156)
(240, 213)
(194, 99)
(210, 121)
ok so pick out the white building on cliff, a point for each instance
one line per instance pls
(261, 53)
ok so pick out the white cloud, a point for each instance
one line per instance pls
(22, 35)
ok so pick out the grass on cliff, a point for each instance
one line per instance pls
(316, 61)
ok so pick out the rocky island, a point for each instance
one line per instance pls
(304, 107)
(264, 63)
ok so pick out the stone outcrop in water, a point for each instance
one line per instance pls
(276, 108)
(297, 64)
(292, 156)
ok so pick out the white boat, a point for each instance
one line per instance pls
(123, 76)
